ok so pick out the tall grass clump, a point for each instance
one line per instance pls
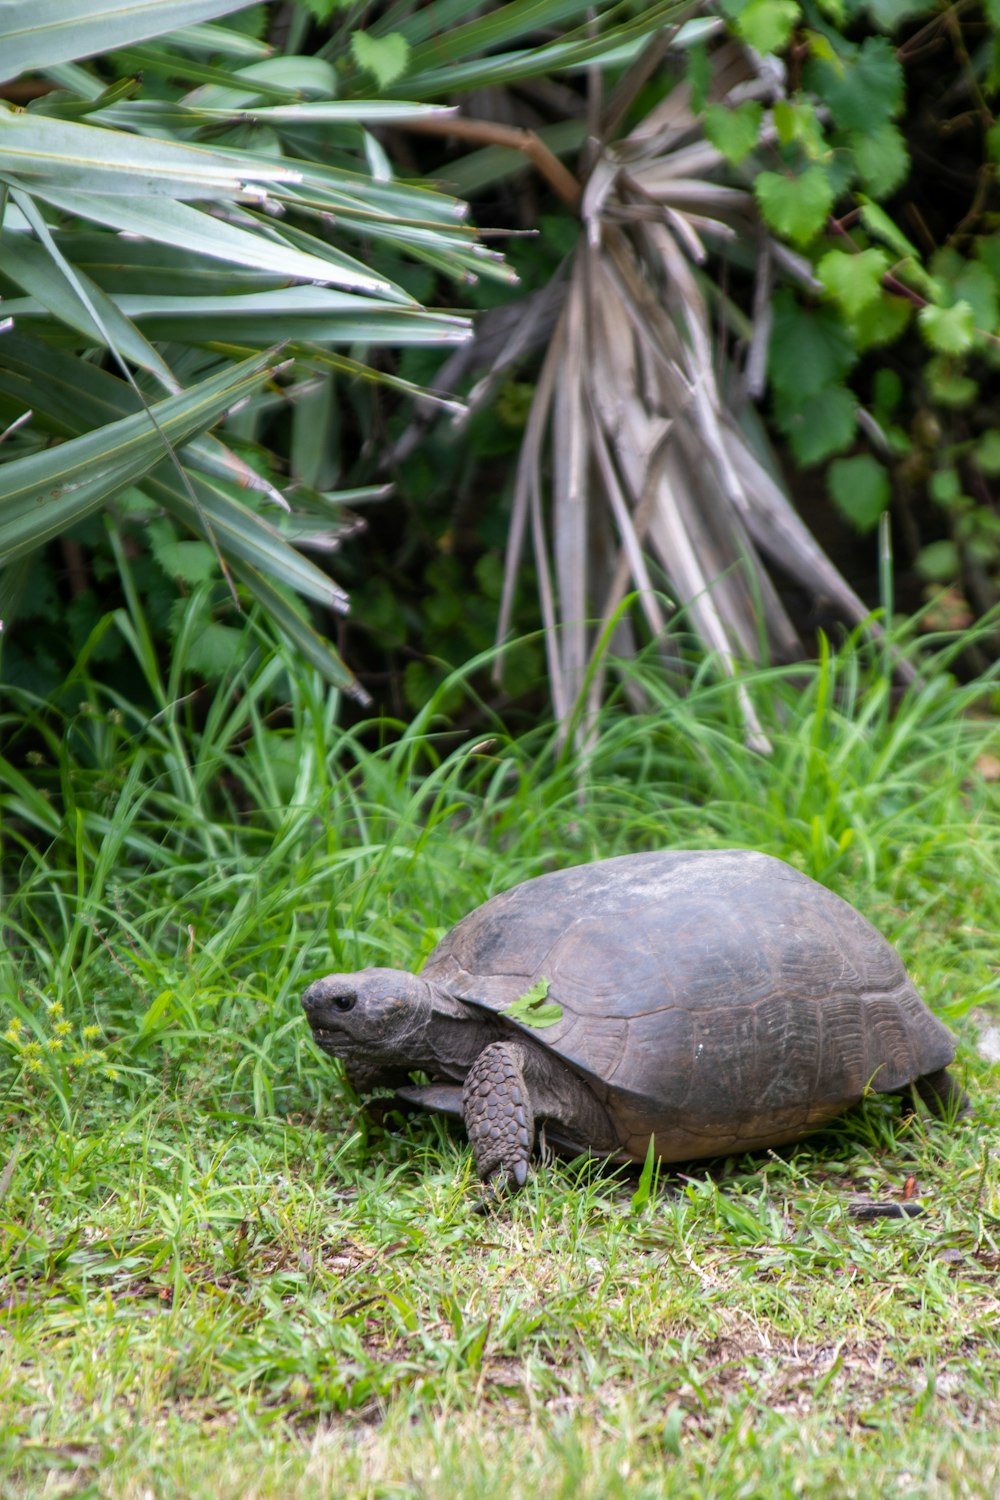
(222, 1276)
(175, 869)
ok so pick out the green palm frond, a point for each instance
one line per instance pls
(171, 236)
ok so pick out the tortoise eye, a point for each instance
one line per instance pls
(345, 1002)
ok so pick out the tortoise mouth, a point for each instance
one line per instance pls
(337, 1043)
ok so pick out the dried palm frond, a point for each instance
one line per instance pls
(630, 438)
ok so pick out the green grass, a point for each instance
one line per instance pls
(220, 1276)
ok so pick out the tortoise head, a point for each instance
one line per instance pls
(377, 1016)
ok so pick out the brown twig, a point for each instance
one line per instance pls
(490, 133)
(75, 563)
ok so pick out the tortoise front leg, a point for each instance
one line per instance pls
(498, 1114)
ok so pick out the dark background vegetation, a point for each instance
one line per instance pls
(424, 566)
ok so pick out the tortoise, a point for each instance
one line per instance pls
(710, 1001)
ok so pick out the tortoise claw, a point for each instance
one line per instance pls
(500, 1184)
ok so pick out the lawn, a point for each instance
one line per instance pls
(222, 1276)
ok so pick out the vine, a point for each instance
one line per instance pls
(876, 158)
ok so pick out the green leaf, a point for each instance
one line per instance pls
(859, 488)
(734, 131)
(993, 142)
(810, 348)
(881, 321)
(866, 91)
(295, 313)
(323, 9)
(821, 49)
(188, 228)
(288, 616)
(214, 649)
(46, 32)
(947, 383)
(854, 280)
(888, 391)
(948, 329)
(431, 77)
(386, 58)
(938, 562)
(532, 1009)
(256, 553)
(878, 223)
(699, 76)
(987, 453)
(442, 29)
(888, 14)
(326, 112)
(70, 295)
(796, 207)
(796, 123)
(38, 148)
(43, 494)
(819, 426)
(219, 41)
(191, 562)
(945, 487)
(973, 284)
(243, 535)
(765, 25)
(881, 158)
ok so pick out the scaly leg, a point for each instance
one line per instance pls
(498, 1114)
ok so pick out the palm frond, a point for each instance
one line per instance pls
(654, 485)
(148, 229)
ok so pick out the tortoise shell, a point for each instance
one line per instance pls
(719, 1000)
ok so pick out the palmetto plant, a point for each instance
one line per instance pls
(163, 259)
(169, 252)
(235, 235)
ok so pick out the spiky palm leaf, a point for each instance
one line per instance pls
(649, 466)
(634, 474)
(121, 227)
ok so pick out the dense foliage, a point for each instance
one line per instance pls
(879, 161)
(872, 309)
(865, 326)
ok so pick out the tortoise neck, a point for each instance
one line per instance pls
(453, 1036)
